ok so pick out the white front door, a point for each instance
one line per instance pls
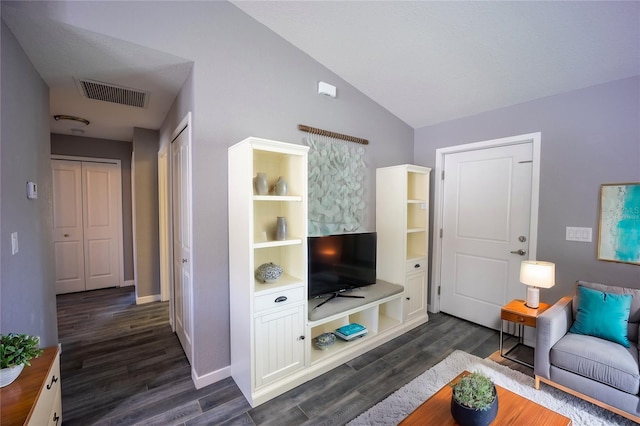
(87, 217)
(68, 235)
(181, 208)
(485, 230)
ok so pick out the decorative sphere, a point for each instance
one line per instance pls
(324, 340)
(268, 272)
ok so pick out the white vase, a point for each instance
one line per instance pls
(281, 186)
(281, 229)
(9, 374)
(260, 182)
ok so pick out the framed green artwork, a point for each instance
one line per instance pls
(619, 236)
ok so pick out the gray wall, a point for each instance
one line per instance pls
(145, 178)
(80, 146)
(246, 81)
(27, 295)
(589, 137)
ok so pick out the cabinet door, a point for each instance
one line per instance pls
(415, 288)
(279, 344)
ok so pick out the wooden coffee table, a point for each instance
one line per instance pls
(512, 410)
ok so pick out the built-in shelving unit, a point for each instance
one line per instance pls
(402, 223)
(267, 319)
(273, 325)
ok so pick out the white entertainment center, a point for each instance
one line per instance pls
(273, 325)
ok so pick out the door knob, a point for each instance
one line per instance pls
(520, 252)
(184, 260)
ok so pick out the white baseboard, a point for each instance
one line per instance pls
(147, 299)
(210, 378)
(128, 283)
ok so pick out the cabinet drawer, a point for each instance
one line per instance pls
(416, 265)
(55, 416)
(279, 298)
(518, 318)
(43, 411)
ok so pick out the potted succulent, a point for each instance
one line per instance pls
(16, 351)
(474, 401)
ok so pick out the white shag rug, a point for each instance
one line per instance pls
(401, 403)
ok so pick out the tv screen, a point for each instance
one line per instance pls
(341, 262)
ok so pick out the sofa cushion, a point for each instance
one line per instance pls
(634, 312)
(604, 315)
(598, 359)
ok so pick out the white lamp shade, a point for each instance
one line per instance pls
(538, 273)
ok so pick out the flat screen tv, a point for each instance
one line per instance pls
(338, 263)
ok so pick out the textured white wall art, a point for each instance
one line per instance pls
(336, 185)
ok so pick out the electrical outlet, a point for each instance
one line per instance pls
(579, 234)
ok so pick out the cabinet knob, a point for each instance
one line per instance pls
(417, 265)
(66, 235)
(56, 418)
(301, 338)
(408, 298)
(184, 260)
(280, 299)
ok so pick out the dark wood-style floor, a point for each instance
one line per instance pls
(122, 365)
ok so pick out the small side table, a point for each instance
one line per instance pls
(517, 312)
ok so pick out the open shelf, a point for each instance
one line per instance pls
(377, 318)
(268, 244)
(285, 281)
(416, 244)
(289, 198)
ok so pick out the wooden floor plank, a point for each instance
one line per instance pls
(122, 365)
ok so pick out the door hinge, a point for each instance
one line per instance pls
(438, 290)
(440, 232)
(442, 175)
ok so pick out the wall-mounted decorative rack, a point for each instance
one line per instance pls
(322, 132)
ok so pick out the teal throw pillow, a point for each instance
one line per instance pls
(603, 315)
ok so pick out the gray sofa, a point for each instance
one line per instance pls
(600, 371)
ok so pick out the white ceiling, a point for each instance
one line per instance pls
(63, 53)
(426, 62)
(433, 61)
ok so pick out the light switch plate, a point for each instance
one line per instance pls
(583, 235)
(14, 243)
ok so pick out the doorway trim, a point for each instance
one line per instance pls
(118, 163)
(441, 153)
(164, 224)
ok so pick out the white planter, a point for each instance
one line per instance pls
(8, 375)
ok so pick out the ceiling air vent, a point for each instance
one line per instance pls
(111, 93)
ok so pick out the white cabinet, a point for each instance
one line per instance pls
(268, 320)
(415, 288)
(34, 398)
(402, 224)
(278, 344)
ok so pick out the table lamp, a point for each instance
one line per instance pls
(536, 274)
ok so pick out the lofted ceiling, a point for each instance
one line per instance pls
(433, 61)
(424, 61)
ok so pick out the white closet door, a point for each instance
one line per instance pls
(181, 206)
(101, 210)
(87, 214)
(68, 236)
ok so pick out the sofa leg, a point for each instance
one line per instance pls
(537, 383)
